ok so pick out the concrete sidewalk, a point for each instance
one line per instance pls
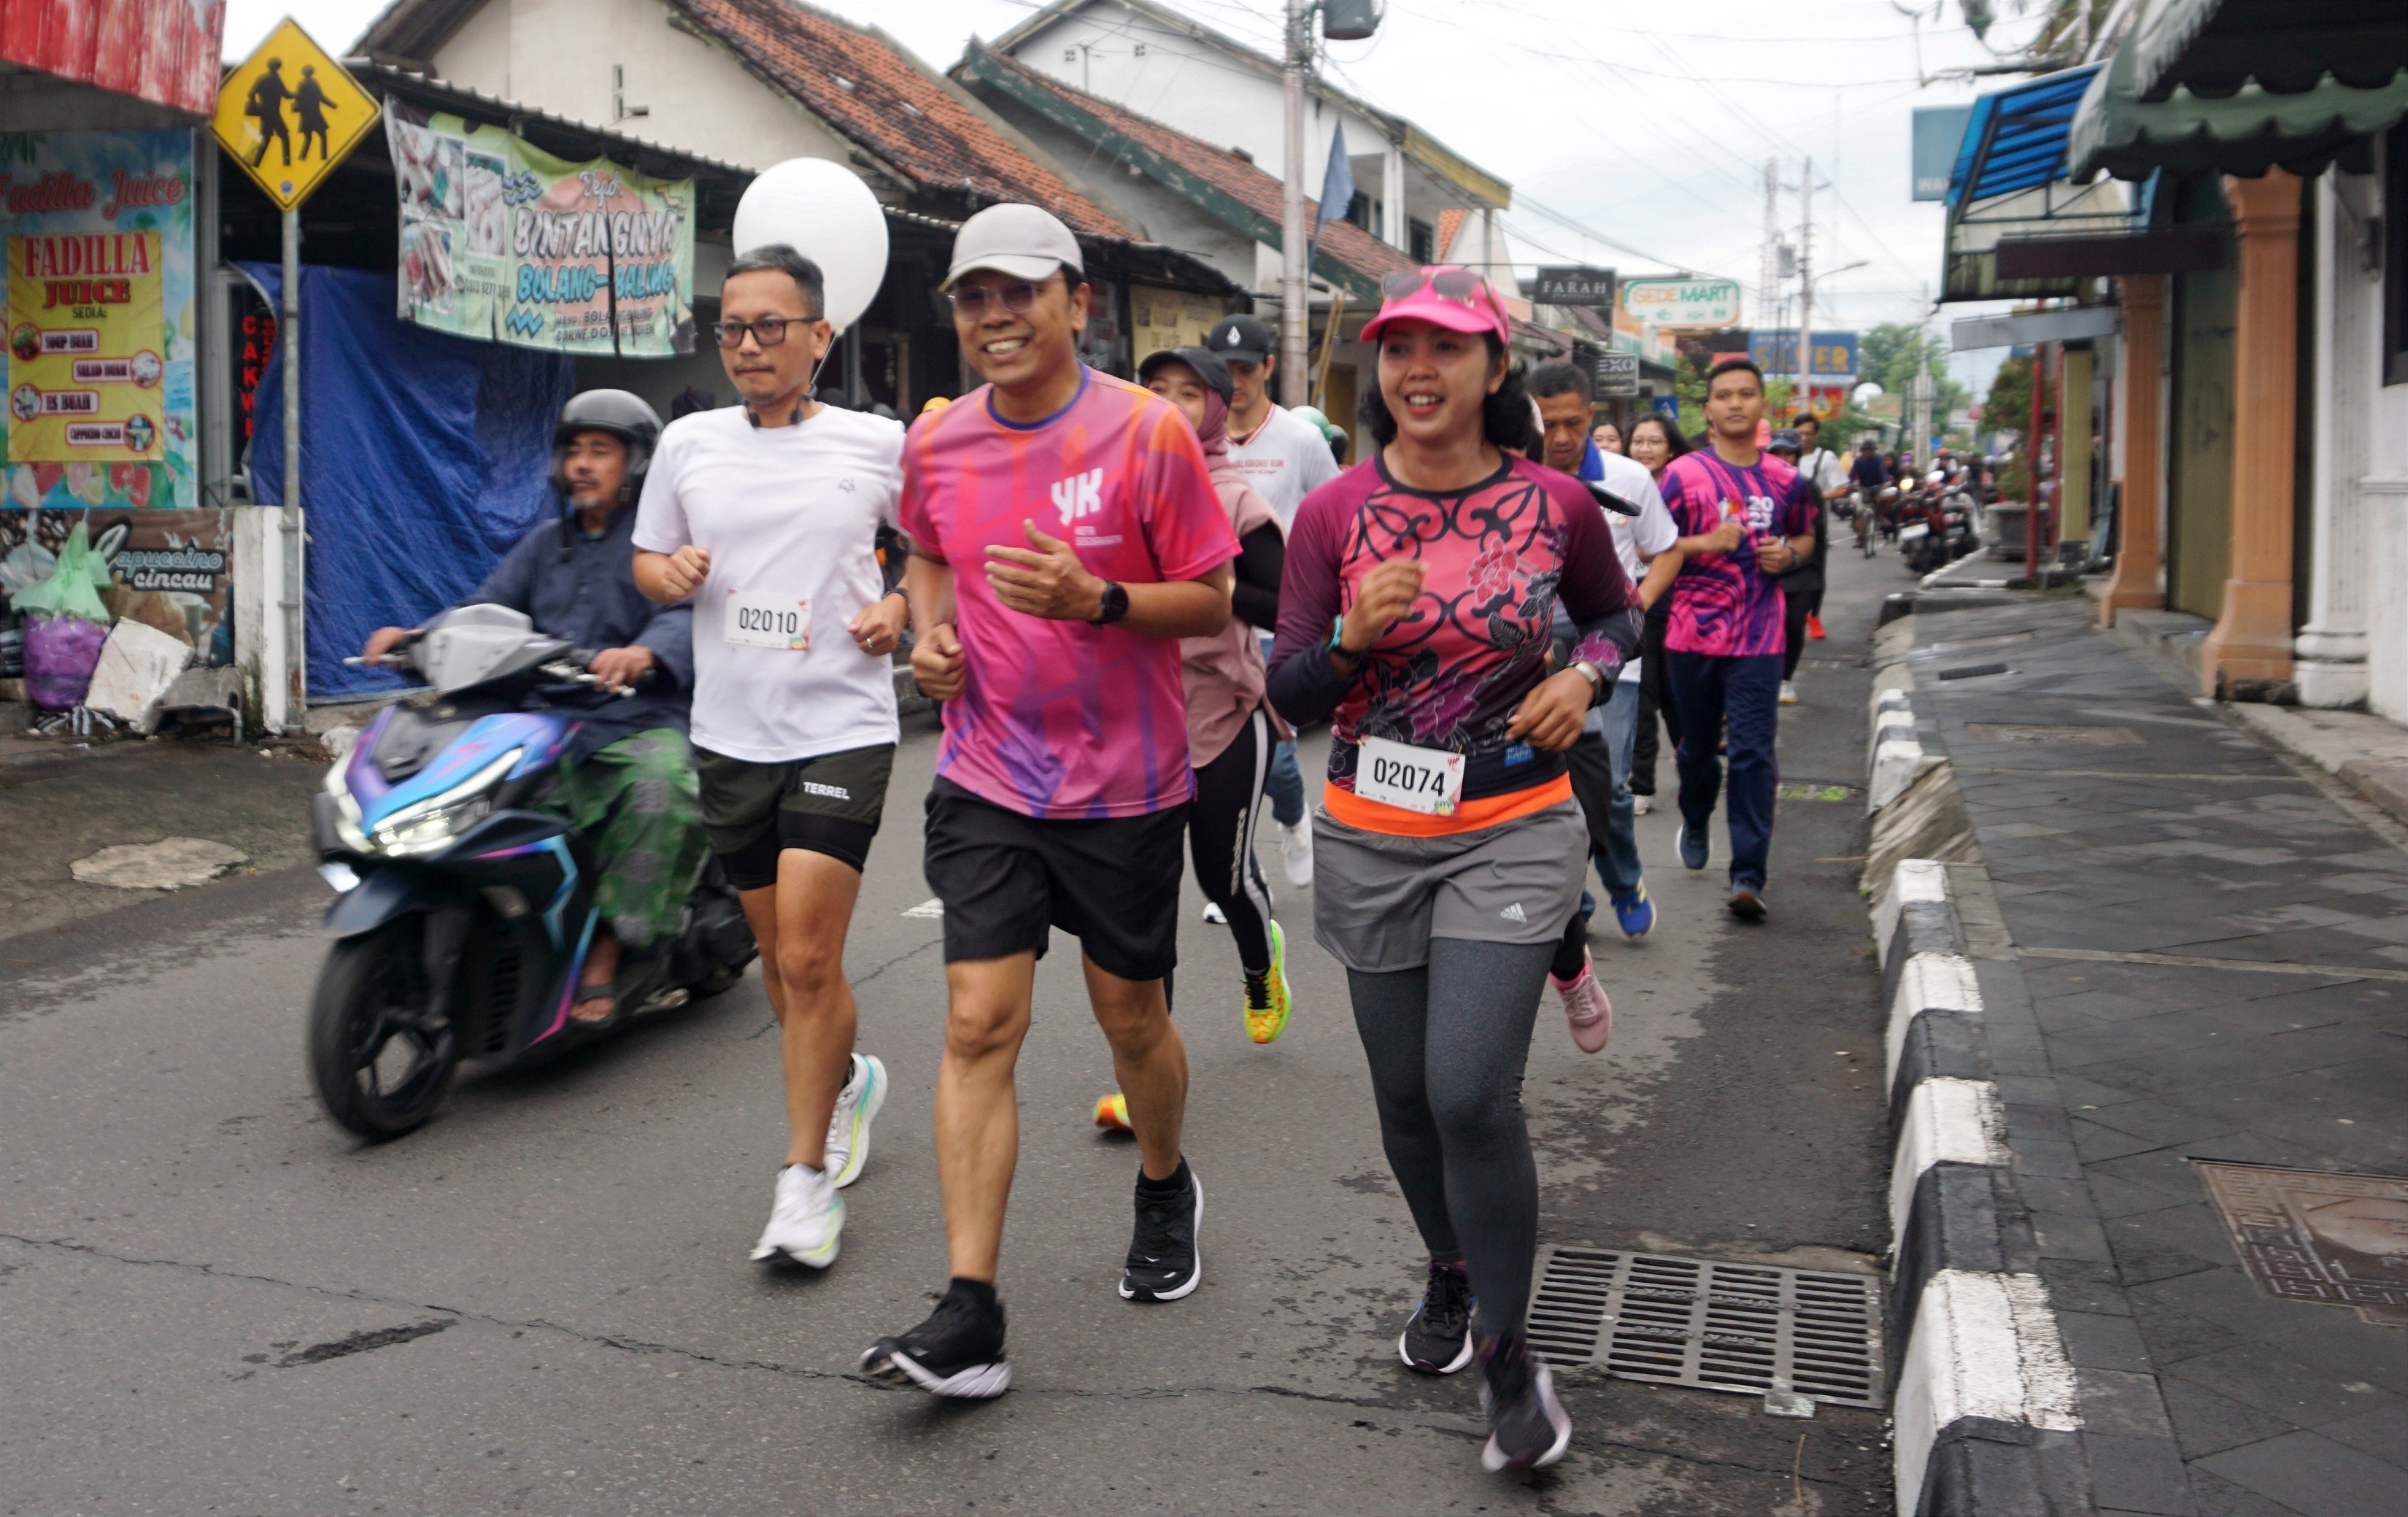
(2205, 957)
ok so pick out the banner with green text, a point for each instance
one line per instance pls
(501, 242)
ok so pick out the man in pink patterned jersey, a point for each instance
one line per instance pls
(1065, 535)
(1745, 516)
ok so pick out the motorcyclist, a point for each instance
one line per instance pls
(627, 777)
(1867, 476)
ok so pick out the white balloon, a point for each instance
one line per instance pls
(822, 210)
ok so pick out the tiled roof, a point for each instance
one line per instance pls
(875, 93)
(1220, 168)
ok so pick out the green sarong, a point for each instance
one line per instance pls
(639, 805)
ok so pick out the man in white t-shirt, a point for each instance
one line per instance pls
(1286, 458)
(1824, 469)
(1601, 759)
(766, 516)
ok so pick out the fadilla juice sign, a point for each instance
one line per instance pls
(85, 360)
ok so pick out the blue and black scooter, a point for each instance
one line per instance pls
(465, 916)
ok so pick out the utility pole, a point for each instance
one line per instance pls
(294, 674)
(1296, 310)
(1769, 296)
(1805, 287)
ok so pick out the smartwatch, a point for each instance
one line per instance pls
(1115, 605)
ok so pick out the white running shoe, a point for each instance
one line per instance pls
(1788, 693)
(848, 1134)
(806, 1220)
(1295, 853)
(1213, 914)
(1641, 806)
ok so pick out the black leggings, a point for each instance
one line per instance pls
(1797, 605)
(1220, 838)
(1655, 699)
(1446, 1044)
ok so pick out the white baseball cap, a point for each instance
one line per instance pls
(1027, 242)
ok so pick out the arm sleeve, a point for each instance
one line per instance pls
(660, 516)
(1262, 557)
(670, 636)
(512, 582)
(1303, 687)
(1595, 593)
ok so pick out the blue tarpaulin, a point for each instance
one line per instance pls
(423, 458)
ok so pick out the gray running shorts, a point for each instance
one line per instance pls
(1378, 900)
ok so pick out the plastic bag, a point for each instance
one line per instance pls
(61, 652)
(72, 588)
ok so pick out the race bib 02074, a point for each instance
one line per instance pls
(1424, 780)
(764, 619)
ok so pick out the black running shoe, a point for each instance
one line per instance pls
(1528, 1427)
(958, 1351)
(1163, 1263)
(1437, 1339)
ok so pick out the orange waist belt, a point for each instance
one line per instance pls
(1471, 816)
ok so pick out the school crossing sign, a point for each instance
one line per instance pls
(288, 113)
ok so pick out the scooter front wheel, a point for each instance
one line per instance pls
(380, 1062)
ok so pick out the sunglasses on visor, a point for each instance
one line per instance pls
(1446, 282)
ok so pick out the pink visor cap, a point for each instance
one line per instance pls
(1443, 294)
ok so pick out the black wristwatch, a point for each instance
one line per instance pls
(1115, 605)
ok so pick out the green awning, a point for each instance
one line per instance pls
(2242, 86)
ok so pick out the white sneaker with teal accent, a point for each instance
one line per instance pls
(848, 1135)
(806, 1222)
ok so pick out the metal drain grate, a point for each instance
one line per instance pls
(1741, 1327)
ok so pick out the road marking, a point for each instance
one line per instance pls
(930, 910)
(2187, 961)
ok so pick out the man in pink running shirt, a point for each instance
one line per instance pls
(1744, 517)
(1065, 535)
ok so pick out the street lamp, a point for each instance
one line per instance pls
(1805, 330)
(1345, 21)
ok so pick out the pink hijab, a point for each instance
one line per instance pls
(1224, 673)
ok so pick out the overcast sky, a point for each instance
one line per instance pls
(1609, 114)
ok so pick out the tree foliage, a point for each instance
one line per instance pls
(2009, 409)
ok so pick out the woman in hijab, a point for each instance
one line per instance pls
(1231, 729)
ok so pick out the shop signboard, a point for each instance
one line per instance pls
(1776, 353)
(1617, 373)
(98, 228)
(1573, 286)
(164, 51)
(167, 569)
(1938, 136)
(501, 242)
(1682, 303)
(288, 113)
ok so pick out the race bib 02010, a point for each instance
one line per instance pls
(764, 619)
(1424, 780)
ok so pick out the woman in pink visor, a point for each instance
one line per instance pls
(1413, 614)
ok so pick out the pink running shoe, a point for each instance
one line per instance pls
(1585, 1007)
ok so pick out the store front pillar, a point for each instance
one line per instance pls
(2252, 639)
(2330, 652)
(2138, 579)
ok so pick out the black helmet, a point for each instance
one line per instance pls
(625, 417)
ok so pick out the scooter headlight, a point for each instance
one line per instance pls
(429, 824)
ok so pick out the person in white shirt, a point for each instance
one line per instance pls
(1285, 459)
(1830, 475)
(766, 516)
(1601, 759)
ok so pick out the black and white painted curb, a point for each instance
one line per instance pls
(1984, 1396)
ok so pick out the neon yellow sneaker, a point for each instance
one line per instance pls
(1111, 1113)
(1267, 998)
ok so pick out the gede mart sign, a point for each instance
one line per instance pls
(1682, 302)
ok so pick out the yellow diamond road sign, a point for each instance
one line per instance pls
(288, 114)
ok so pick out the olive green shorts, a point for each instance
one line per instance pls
(830, 805)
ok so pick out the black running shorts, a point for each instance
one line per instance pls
(826, 805)
(1006, 880)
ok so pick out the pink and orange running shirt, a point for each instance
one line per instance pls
(1059, 720)
(1721, 603)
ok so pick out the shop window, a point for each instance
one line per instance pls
(1420, 242)
(2395, 255)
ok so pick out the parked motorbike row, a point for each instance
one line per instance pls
(1931, 521)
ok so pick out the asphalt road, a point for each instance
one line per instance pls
(211, 1300)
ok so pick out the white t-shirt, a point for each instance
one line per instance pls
(788, 514)
(1286, 459)
(1823, 467)
(1639, 538)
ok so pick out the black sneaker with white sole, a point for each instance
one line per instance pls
(1437, 1339)
(1528, 1427)
(1163, 1263)
(958, 1351)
